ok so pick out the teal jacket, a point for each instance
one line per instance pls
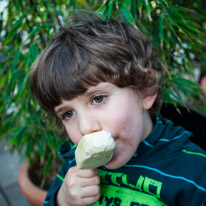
(166, 169)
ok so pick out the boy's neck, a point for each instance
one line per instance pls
(148, 125)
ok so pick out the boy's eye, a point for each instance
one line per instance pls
(68, 114)
(98, 99)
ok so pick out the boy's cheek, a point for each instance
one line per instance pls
(74, 136)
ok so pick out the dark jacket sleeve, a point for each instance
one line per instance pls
(51, 198)
(67, 153)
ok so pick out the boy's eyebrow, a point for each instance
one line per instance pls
(60, 109)
(98, 87)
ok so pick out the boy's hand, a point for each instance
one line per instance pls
(80, 187)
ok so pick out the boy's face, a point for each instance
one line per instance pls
(106, 107)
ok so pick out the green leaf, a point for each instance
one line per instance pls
(42, 146)
(36, 29)
(128, 16)
(56, 10)
(21, 138)
(48, 164)
(34, 52)
(161, 30)
(186, 82)
(179, 18)
(134, 8)
(102, 10)
(31, 55)
(156, 39)
(170, 26)
(28, 60)
(14, 29)
(147, 6)
(16, 136)
(128, 3)
(22, 87)
(110, 5)
(139, 5)
(16, 59)
(17, 6)
(47, 12)
(170, 96)
(50, 140)
(184, 9)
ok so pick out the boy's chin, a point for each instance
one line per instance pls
(113, 165)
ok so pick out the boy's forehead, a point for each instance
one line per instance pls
(100, 86)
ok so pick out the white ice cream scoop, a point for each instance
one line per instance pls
(94, 150)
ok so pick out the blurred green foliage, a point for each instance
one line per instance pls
(177, 28)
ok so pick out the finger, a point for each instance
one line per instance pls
(82, 173)
(87, 173)
(90, 200)
(95, 180)
(90, 191)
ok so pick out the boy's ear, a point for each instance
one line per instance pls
(148, 101)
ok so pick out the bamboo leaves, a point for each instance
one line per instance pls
(14, 29)
(128, 16)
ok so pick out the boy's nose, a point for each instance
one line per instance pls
(88, 124)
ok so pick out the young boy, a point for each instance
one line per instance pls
(103, 75)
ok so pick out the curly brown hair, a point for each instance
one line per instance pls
(91, 51)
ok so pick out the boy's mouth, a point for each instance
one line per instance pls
(94, 150)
